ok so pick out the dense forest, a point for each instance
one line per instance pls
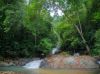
(30, 28)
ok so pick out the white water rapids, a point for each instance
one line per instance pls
(55, 50)
(33, 64)
(36, 63)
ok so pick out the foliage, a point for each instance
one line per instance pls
(66, 34)
(29, 30)
(96, 50)
(46, 45)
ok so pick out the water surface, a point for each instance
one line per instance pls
(20, 70)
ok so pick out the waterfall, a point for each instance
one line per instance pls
(59, 42)
(33, 64)
(55, 50)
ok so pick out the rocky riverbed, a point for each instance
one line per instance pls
(16, 62)
(57, 61)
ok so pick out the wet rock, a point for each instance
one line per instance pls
(6, 64)
(44, 64)
(16, 62)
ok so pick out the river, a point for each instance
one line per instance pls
(21, 70)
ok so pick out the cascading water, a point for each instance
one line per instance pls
(55, 50)
(33, 64)
(58, 43)
(37, 63)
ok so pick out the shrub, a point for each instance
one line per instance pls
(46, 45)
(96, 50)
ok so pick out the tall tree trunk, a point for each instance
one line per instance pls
(84, 41)
(79, 29)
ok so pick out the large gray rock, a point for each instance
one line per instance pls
(44, 64)
(59, 61)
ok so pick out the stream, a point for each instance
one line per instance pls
(21, 70)
(33, 67)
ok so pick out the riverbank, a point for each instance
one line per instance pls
(55, 71)
(10, 72)
(16, 62)
(56, 61)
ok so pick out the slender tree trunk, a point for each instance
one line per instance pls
(79, 29)
(84, 41)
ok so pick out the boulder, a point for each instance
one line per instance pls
(60, 61)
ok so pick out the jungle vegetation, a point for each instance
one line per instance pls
(29, 28)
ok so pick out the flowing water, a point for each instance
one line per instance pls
(55, 50)
(20, 70)
(33, 68)
(33, 65)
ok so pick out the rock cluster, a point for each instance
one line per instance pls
(17, 62)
